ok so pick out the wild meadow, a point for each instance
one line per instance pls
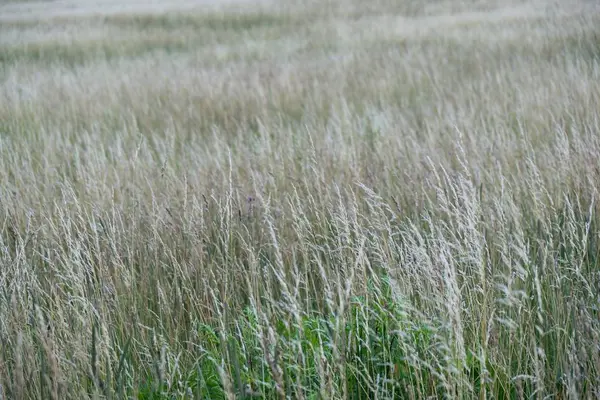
(300, 199)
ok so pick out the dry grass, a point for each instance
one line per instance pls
(304, 200)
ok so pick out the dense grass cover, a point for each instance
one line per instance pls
(304, 200)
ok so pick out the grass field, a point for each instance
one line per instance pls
(299, 199)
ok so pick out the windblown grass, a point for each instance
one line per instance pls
(392, 200)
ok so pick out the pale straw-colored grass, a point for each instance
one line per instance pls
(300, 200)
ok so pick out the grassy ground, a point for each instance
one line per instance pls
(307, 200)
